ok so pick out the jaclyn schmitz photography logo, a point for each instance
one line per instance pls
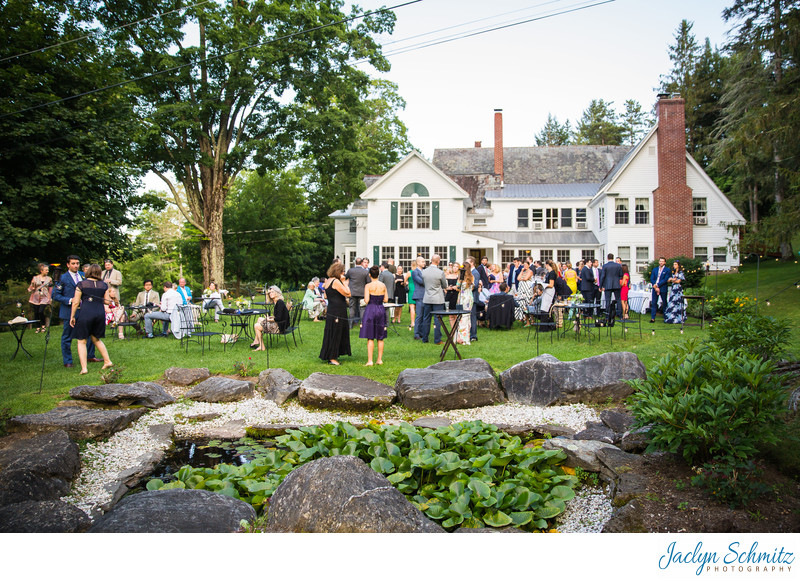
(736, 557)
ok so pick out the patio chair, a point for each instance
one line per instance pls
(635, 306)
(500, 311)
(543, 322)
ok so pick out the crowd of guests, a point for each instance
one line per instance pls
(90, 300)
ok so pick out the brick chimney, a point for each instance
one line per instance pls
(672, 200)
(498, 144)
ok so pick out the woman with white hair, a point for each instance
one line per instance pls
(313, 301)
(275, 323)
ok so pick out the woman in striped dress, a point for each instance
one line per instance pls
(524, 293)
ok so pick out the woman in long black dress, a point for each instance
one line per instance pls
(400, 292)
(373, 324)
(91, 294)
(336, 337)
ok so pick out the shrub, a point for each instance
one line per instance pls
(705, 402)
(467, 474)
(733, 481)
(728, 302)
(692, 269)
(758, 335)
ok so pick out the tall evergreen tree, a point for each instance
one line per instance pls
(761, 114)
(554, 133)
(599, 126)
(634, 121)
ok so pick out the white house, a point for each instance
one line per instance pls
(564, 203)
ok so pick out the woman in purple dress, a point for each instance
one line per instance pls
(373, 324)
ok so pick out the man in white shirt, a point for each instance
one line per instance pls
(169, 301)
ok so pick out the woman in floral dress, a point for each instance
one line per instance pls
(675, 311)
(465, 300)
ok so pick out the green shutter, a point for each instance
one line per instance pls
(452, 254)
(394, 216)
(376, 255)
(435, 215)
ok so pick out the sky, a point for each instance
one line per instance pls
(614, 51)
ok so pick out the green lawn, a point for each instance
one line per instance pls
(147, 359)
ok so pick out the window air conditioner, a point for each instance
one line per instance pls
(538, 226)
(641, 268)
(580, 225)
(700, 220)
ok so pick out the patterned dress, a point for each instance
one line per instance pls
(465, 301)
(524, 296)
(675, 311)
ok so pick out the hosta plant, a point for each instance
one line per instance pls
(468, 474)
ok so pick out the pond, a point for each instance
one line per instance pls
(208, 453)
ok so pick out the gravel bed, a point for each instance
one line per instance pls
(102, 462)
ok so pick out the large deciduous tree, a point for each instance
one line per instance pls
(65, 186)
(224, 85)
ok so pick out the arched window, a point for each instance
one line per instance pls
(414, 188)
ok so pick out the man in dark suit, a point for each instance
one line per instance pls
(587, 282)
(419, 294)
(357, 278)
(659, 278)
(610, 277)
(513, 274)
(63, 292)
(483, 269)
(476, 302)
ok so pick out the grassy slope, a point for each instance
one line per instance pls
(147, 359)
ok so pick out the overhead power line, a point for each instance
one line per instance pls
(84, 37)
(209, 59)
(477, 32)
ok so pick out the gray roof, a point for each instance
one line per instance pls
(546, 238)
(534, 165)
(357, 208)
(544, 191)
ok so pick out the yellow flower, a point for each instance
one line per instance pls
(568, 470)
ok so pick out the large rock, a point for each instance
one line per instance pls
(78, 423)
(547, 381)
(53, 516)
(342, 495)
(630, 518)
(468, 365)
(147, 394)
(581, 454)
(278, 385)
(175, 511)
(617, 420)
(596, 431)
(221, 389)
(448, 386)
(38, 468)
(186, 376)
(344, 392)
